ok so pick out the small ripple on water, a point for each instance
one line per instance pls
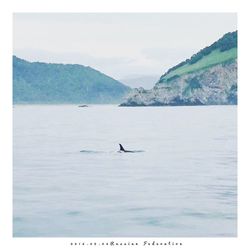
(73, 213)
(156, 221)
(17, 219)
(208, 215)
(92, 152)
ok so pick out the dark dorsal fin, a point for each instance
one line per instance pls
(121, 148)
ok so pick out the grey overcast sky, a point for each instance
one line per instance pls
(118, 44)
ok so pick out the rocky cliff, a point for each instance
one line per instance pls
(207, 78)
(214, 86)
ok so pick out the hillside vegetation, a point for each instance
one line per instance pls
(215, 57)
(63, 83)
(223, 50)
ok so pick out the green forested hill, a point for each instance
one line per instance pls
(223, 50)
(63, 83)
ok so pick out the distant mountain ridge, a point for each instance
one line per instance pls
(36, 82)
(147, 81)
(209, 77)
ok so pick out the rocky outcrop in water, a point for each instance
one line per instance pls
(216, 85)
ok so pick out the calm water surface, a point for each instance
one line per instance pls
(184, 184)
